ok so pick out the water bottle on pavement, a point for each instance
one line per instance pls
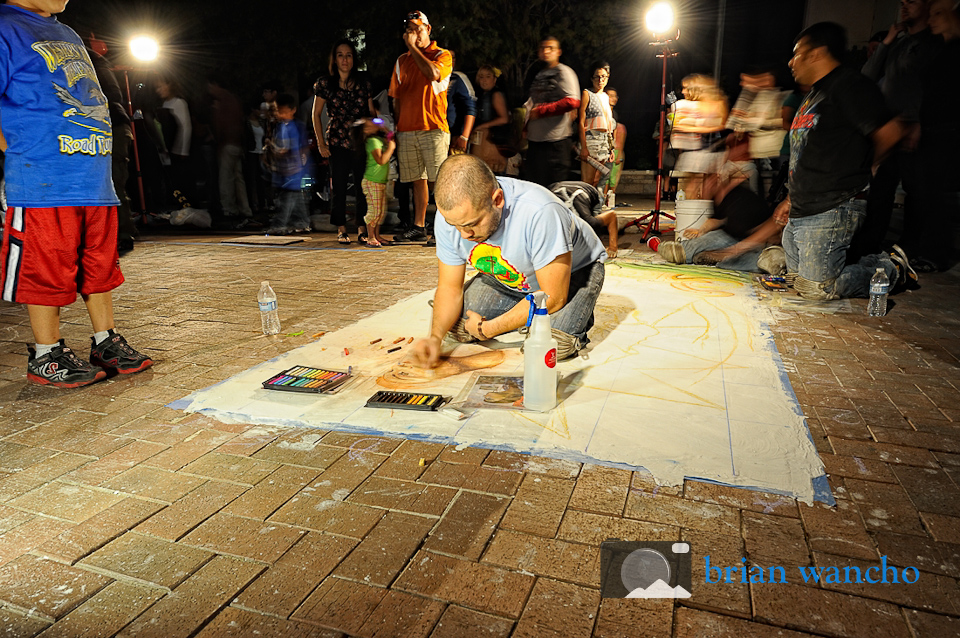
(879, 287)
(611, 202)
(269, 318)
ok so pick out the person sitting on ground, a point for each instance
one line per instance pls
(737, 237)
(587, 202)
(522, 239)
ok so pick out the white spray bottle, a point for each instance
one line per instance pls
(539, 358)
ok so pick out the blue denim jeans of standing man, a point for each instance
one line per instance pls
(718, 240)
(816, 250)
(490, 299)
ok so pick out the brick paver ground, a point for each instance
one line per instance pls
(119, 516)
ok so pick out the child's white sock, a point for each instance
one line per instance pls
(100, 337)
(43, 349)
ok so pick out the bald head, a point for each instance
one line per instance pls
(469, 197)
(464, 178)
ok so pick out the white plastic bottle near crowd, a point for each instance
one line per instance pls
(539, 358)
(879, 287)
(269, 318)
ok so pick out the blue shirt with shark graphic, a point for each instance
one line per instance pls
(53, 115)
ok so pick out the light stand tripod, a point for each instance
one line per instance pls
(652, 219)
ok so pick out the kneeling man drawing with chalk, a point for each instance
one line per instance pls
(522, 239)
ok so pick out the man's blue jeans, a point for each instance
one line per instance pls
(718, 240)
(490, 299)
(816, 250)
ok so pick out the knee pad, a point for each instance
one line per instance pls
(815, 290)
(772, 260)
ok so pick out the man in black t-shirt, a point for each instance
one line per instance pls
(840, 130)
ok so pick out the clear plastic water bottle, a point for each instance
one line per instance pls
(269, 318)
(879, 287)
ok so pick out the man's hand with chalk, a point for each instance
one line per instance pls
(425, 353)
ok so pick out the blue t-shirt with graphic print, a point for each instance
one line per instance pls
(535, 229)
(53, 114)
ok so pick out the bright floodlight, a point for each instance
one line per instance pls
(144, 48)
(659, 18)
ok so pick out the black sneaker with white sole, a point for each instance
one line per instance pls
(415, 234)
(908, 276)
(62, 368)
(115, 354)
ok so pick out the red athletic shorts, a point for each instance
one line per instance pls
(50, 254)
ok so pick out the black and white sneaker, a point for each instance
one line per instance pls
(114, 353)
(907, 275)
(414, 235)
(62, 368)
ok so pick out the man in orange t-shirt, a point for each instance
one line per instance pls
(418, 87)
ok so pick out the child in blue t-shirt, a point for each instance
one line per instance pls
(61, 220)
(378, 145)
(292, 171)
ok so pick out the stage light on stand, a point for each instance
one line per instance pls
(659, 18)
(144, 48)
(660, 21)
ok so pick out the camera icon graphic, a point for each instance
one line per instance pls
(639, 569)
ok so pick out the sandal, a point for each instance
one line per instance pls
(373, 243)
(361, 238)
(342, 238)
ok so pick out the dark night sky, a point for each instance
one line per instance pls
(252, 41)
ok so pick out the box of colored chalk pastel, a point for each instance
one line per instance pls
(405, 401)
(307, 379)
